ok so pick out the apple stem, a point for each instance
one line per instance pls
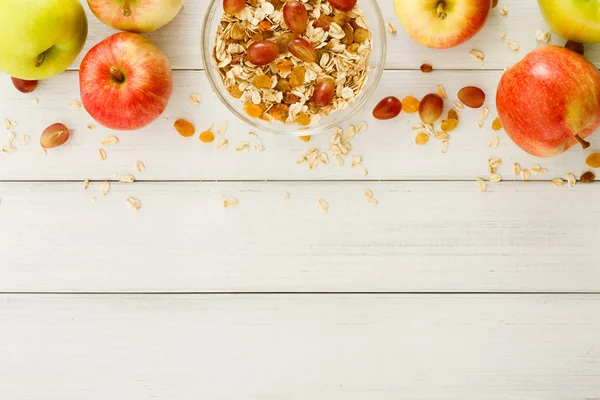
(114, 70)
(441, 10)
(584, 143)
(40, 59)
(126, 9)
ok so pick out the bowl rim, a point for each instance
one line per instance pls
(355, 108)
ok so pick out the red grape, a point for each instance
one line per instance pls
(302, 49)
(295, 16)
(388, 108)
(262, 52)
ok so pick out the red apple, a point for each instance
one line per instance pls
(136, 16)
(442, 24)
(125, 82)
(550, 101)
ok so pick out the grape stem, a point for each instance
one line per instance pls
(114, 70)
(584, 143)
(441, 10)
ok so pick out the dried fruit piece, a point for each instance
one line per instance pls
(360, 35)
(323, 22)
(431, 108)
(290, 99)
(53, 136)
(587, 177)
(262, 52)
(24, 86)
(233, 6)
(593, 160)
(387, 108)
(207, 137)
(252, 109)
(421, 139)
(295, 16)
(449, 125)
(279, 111)
(497, 124)
(452, 114)
(348, 38)
(235, 91)
(342, 5)
(410, 104)
(324, 92)
(575, 46)
(283, 41)
(305, 138)
(471, 96)
(262, 82)
(426, 68)
(297, 77)
(184, 128)
(265, 25)
(302, 119)
(302, 49)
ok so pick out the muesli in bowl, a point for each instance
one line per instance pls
(295, 64)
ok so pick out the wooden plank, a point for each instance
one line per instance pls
(181, 39)
(387, 147)
(298, 347)
(432, 237)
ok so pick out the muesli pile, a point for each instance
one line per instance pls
(293, 62)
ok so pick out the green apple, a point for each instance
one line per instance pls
(40, 38)
(577, 20)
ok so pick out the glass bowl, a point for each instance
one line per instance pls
(373, 17)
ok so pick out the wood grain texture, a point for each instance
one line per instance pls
(298, 347)
(387, 147)
(422, 237)
(180, 40)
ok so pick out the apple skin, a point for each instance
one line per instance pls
(125, 82)
(463, 19)
(547, 98)
(40, 39)
(139, 16)
(577, 20)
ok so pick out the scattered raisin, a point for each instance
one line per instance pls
(410, 104)
(207, 137)
(283, 85)
(587, 177)
(184, 128)
(593, 160)
(452, 114)
(279, 111)
(265, 25)
(497, 125)
(252, 109)
(449, 125)
(426, 68)
(421, 139)
(305, 138)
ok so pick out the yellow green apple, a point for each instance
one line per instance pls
(577, 20)
(135, 15)
(442, 23)
(40, 38)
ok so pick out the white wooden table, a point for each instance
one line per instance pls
(439, 292)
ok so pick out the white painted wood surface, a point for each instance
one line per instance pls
(297, 347)
(434, 237)
(432, 232)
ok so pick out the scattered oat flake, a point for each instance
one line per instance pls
(43, 151)
(91, 127)
(365, 172)
(513, 45)
(139, 166)
(459, 106)
(484, 113)
(323, 158)
(258, 146)
(230, 203)
(9, 149)
(495, 178)
(361, 126)
(558, 182)
(243, 147)
(441, 91)
(339, 160)
(525, 174)
(356, 161)
(571, 179)
(302, 160)
(369, 193)
(481, 185)
(105, 188)
(75, 105)
(494, 142)
(86, 184)
(480, 124)
(13, 123)
(542, 36)
(373, 202)
(504, 11)
(417, 127)
(286, 195)
(102, 153)
(516, 169)
(503, 35)
(195, 98)
(222, 128)
(26, 139)
(223, 144)
(444, 146)
(477, 55)
(536, 169)
(110, 140)
(322, 205)
(134, 203)
(391, 28)
(35, 101)
(6, 124)
(127, 178)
